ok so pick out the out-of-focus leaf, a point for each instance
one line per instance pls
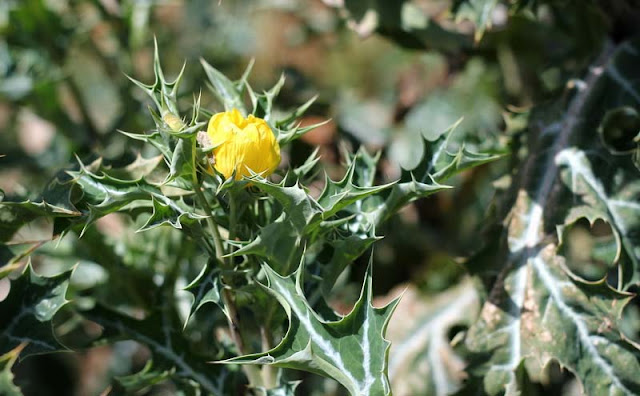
(97, 91)
(422, 360)
(560, 318)
(161, 333)
(144, 378)
(477, 11)
(537, 307)
(619, 129)
(352, 350)
(26, 313)
(404, 22)
(137, 170)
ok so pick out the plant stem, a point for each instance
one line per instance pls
(233, 216)
(269, 372)
(252, 372)
(217, 240)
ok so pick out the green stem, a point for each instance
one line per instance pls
(233, 216)
(252, 372)
(204, 203)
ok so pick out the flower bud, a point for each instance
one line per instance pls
(243, 145)
(174, 122)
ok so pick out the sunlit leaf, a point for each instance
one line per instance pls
(352, 350)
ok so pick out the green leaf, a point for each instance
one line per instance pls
(345, 252)
(137, 170)
(286, 389)
(352, 350)
(439, 164)
(543, 314)
(143, 379)
(206, 288)
(300, 208)
(172, 214)
(477, 11)
(338, 195)
(7, 387)
(402, 21)
(104, 194)
(226, 91)
(538, 310)
(14, 215)
(160, 331)
(618, 206)
(26, 313)
(279, 243)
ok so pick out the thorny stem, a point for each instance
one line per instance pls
(252, 372)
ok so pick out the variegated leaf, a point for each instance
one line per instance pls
(538, 310)
(352, 350)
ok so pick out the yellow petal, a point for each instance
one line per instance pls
(245, 145)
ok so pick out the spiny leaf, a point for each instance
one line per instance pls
(26, 313)
(299, 207)
(286, 389)
(619, 207)
(279, 243)
(543, 314)
(14, 215)
(104, 194)
(438, 164)
(206, 288)
(170, 214)
(7, 387)
(538, 310)
(345, 252)
(338, 195)
(226, 91)
(352, 350)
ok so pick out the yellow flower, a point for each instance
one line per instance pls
(242, 144)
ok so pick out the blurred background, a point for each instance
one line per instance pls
(386, 75)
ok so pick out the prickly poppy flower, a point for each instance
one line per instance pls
(242, 144)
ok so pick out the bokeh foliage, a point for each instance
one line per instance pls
(518, 280)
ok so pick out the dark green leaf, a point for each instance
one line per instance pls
(26, 313)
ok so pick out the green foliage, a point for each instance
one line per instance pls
(537, 307)
(27, 312)
(522, 117)
(351, 350)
